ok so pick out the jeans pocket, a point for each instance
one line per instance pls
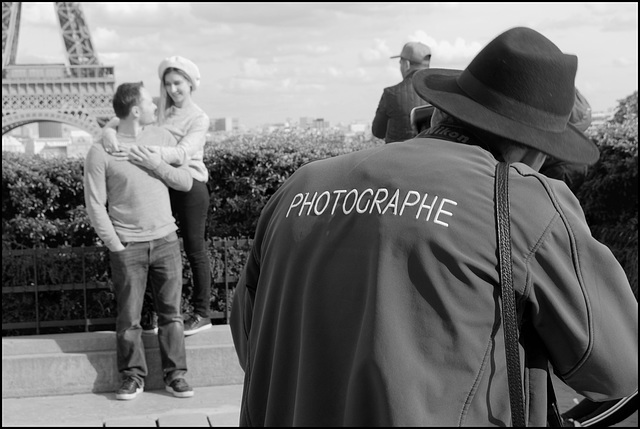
(127, 245)
(171, 237)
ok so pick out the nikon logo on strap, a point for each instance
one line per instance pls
(448, 133)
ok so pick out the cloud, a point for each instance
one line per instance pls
(624, 62)
(130, 45)
(245, 85)
(328, 53)
(290, 15)
(106, 37)
(264, 14)
(217, 30)
(138, 17)
(609, 17)
(377, 55)
(242, 85)
(302, 49)
(351, 76)
(251, 69)
(445, 53)
(39, 14)
(272, 77)
(627, 22)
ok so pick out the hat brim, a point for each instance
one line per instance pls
(440, 88)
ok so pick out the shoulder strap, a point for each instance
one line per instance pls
(507, 293)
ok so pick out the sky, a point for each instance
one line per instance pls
(272, 62)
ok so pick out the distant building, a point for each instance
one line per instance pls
(40, 139)
(599, 118)
(320, 124)
(81, 142)
(48, 147)
(358, 128)
(12, 144)
(280, 126)
(27, 130)
(306, 122)
(50, 129)
(226, 124)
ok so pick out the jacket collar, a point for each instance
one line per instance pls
(454, 133)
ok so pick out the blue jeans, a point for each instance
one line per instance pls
(191, 208)
(159, 261)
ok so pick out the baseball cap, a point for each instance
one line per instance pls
(415, 52)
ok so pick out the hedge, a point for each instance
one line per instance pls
(43, 200)
(43, 203)
(245, 170)
(43, 207)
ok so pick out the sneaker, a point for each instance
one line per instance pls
(150, 324)
(179, 388)
(195, 324)
(129, 389)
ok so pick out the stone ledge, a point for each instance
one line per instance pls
(98, 341)
(64, 364)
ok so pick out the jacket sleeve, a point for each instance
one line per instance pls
(178, 178)
(379, 125)
(242, 310)
(242, 318)
(190, 142)
(584, 308)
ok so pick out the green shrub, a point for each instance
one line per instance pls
(609, 191)
(43, 199)
(43, 204)
(245, 170)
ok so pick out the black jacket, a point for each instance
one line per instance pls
(391, 122)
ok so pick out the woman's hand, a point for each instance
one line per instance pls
(110, 140)
(124, 149)
(145, 156)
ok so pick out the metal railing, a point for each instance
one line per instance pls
(32, 277)
(31, 272)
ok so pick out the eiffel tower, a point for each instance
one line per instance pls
(78, 93)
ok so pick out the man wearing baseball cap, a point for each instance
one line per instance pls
(371, 295)
(392, 119)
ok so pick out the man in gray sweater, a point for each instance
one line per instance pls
(140, 231)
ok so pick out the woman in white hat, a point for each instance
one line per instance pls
(177, 112)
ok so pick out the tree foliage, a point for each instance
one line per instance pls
(609, 192)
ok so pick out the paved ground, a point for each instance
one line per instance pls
(210, 406)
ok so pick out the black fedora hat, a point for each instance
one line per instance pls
(521, 87)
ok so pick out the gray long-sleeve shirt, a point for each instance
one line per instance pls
(139, 207)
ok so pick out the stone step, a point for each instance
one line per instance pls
(62, 364)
